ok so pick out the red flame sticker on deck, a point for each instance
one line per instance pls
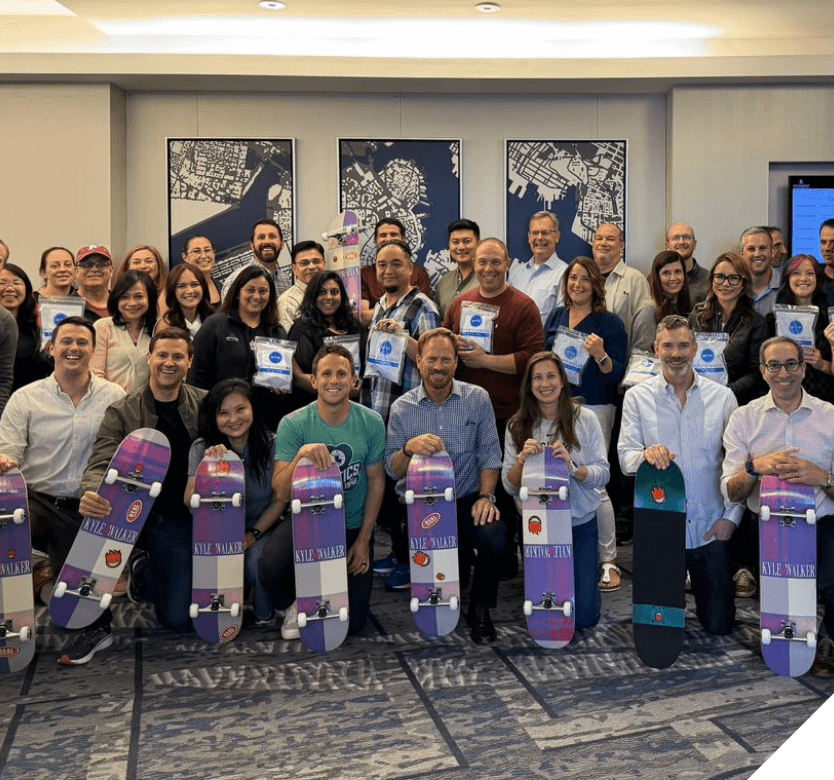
(11, 554)
(534, 525)
(113, 559)
(421, 558)
(222, 468)
(658, 495)
(430, 521)
(133, 511)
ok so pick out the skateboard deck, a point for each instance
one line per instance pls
(319, 547)
(433, 539)
(219, 513)
(341, 253)
(658, 595)
(84, 588)
(17, 601)
(788, 588)
(549, 597)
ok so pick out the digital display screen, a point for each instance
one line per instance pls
(812, 202)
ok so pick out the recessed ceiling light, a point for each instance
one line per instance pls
(272, 5)
(488, 8)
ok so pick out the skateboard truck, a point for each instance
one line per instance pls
(132, 485)
(524, 493)
(548, 603)
(17, 517)
(788, 515)
(86, 590)
(431, 497)
(317, 507)
(6, 632)
(435, 599)
(789, 634)
(322, 612)
(217, 604)
(350, 230)
(236, 499)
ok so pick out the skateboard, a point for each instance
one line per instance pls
(217, 561)
(84, 588)
(319, 548)
(17, 601)
(788, 553)
(341, 253)
(548, 550)
(433, 539)
(658, 594)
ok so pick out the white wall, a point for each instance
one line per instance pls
(316, 121)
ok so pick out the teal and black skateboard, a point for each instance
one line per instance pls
(659, 594)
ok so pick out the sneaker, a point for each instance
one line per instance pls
(289, 628)
(86, 644)
(824, 659)
(745, 584)
(481, 626)
(399, 578)
(136, 567)
(385, 565)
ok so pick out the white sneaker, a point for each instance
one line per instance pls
(289, 628)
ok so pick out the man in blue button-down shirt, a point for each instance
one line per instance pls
(681, 416)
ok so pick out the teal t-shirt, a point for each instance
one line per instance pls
(356, 444)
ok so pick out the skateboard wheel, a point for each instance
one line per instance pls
(811, 639)
(18, 516)
(449, 494)
(237, 499)
(524, 493)
(528, 607)
(409, 497)
(766, 636)
(343, 614)
(764, 515)
(194, 611)
(155, 490)
(567, 609)
(454, 603)
(302, 619)
(811, 517)
(111, 476)
(25, 633)
(563, 493)
(415, 604)
(195, 501)
(60, 590)
(234, 610)
(338, 500)
(296, 506)
(105, 600)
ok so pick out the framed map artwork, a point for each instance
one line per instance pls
(582, 182)
(221, 187)
(416, 181)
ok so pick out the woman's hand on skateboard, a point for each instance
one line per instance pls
(93, 505)
(659, 456)
(531, 447)
(216, 451)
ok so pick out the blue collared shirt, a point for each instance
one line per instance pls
(542, 283)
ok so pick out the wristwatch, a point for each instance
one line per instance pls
(748, 467)
(829, 482)
(603, 360)
(572, 468)
(488, 496)
(256, 532)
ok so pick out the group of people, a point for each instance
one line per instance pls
(481, 378)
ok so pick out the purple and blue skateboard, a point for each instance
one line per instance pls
(320, 553)
(133, 480)
(433, 538)
(341, 253)
(548, 550)
(17, 602)
(788, 588)
(217, 561)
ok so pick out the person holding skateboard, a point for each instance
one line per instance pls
(548, 416)
(331, 428)
(47, 431)
(680, 416)
(442, 413)
(788, 433)
(171, 407)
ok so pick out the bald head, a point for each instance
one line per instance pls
(680, 238)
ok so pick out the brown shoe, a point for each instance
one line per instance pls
(824, 660)
(41, 575)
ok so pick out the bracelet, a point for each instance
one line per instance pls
(258, 534)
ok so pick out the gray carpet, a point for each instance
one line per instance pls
(393, 704)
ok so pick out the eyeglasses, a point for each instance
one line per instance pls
(540, 233)
(15, 283)
(199, 252)
(309, 263)
(685, 238)
(94, 264)
(734, 280)
(774, 366)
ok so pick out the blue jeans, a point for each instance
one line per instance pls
(261, 602)
(712, 585)
(586, 590)
(168, 576)
(277, 575)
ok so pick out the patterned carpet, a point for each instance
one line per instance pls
(393, 704)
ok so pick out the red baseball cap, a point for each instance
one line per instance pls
(92, 249)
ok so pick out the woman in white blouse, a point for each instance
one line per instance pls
(123, 338)
(186, 299)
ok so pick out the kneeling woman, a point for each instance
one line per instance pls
(548, 416)
(229, 420)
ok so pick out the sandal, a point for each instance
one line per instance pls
(606, 583)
